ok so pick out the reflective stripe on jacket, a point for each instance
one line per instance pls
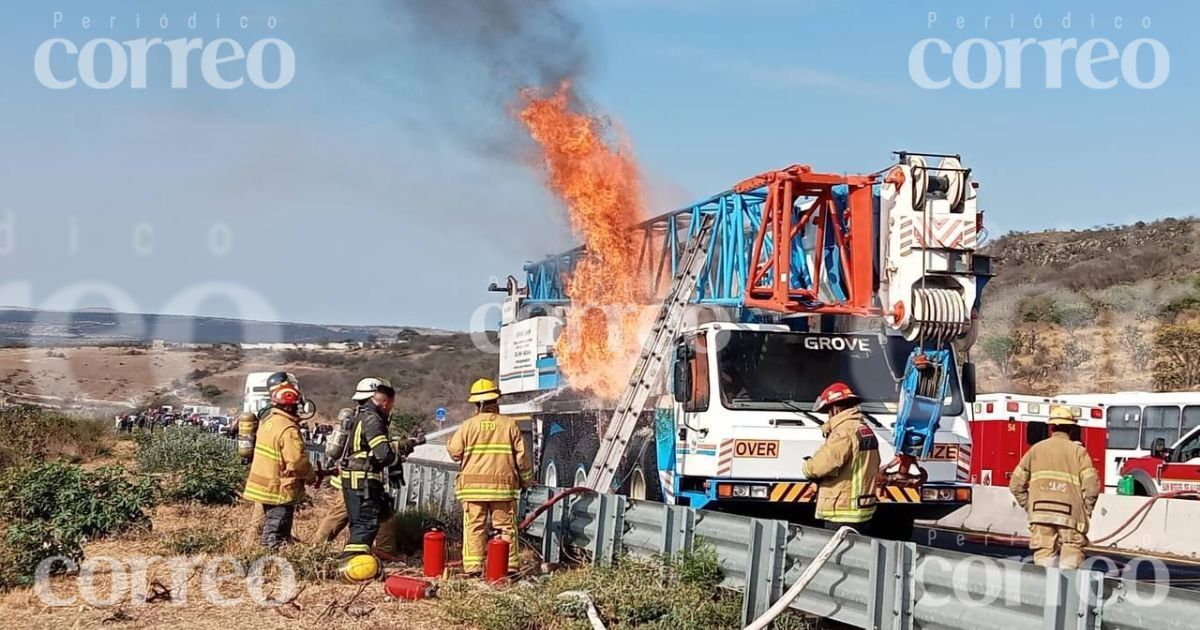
(493, 462)
(370, 448)
(844, 468)
(1056, 483)
(280, 467)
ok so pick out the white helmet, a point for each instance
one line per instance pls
(368, 386)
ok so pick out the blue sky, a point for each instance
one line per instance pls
(385, 185)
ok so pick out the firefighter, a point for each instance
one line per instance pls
(336, 519)
(369, 455)
(845, 466)
(280, 466)
(1057, 486)
(493, 468)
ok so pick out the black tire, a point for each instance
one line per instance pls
(553, 461)
(587, 444)
(638, 474)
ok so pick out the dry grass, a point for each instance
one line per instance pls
(324, 604)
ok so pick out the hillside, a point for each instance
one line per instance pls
(429, 371)
(1106, 309)
(91, 326)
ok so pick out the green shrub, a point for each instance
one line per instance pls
(178, 449)
(32, 434)
(51, 509)
(1071, 314)
(26, 544)
(1036, 309)
(197, 466)
(1000, 348)
(219, 485)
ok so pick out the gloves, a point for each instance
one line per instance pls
(395, 477)
(404, 446)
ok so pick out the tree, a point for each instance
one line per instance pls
(1176, 356)
(1000, 349)
(406, 422)
(1072, 315)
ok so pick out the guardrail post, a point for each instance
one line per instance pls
(424, 487)
(401, 496)
(553, 522)
(1073, 599)
(679, 530)
(764, 567)
(890, 606)
(610, 523)
(449, 499)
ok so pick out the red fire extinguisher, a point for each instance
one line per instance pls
(409, 588)
(497, 559)
(433, 553)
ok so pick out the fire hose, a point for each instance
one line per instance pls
(810, 572)
(1145, 507)
(532, 516)
(762, 621)
(1137, 514)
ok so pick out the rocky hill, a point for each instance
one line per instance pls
(19, 326)
(1106, 309)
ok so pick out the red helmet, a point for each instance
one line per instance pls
(285, 395)
(837, 393)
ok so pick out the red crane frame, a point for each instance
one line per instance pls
(769, 285)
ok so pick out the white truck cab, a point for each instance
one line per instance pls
(733, 420)
(741, 406)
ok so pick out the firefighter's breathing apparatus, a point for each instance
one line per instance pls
(337, 448)
(285, 396)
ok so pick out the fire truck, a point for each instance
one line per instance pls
(1004, 426)
(1136, 421)
(767, 293)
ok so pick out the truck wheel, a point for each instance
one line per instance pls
(586, 444)
(553, 470)
(639, 472)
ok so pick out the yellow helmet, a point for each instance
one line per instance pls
(1061, 415)
(359, 568)
(483, 390)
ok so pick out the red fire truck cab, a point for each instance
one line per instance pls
(1004, 426)
(1166, 469)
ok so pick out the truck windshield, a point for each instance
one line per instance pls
(782, 370)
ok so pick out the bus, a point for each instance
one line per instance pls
(1134, 420)
(1004, 426)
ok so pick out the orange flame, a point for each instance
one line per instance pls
(601, 187)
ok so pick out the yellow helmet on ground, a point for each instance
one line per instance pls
(1062, 416)
(483, 390)
(363, 567)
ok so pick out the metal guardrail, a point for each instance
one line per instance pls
(868, 583)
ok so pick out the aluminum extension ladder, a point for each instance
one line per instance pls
(648, 369)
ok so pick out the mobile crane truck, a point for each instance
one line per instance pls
(878, 285)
